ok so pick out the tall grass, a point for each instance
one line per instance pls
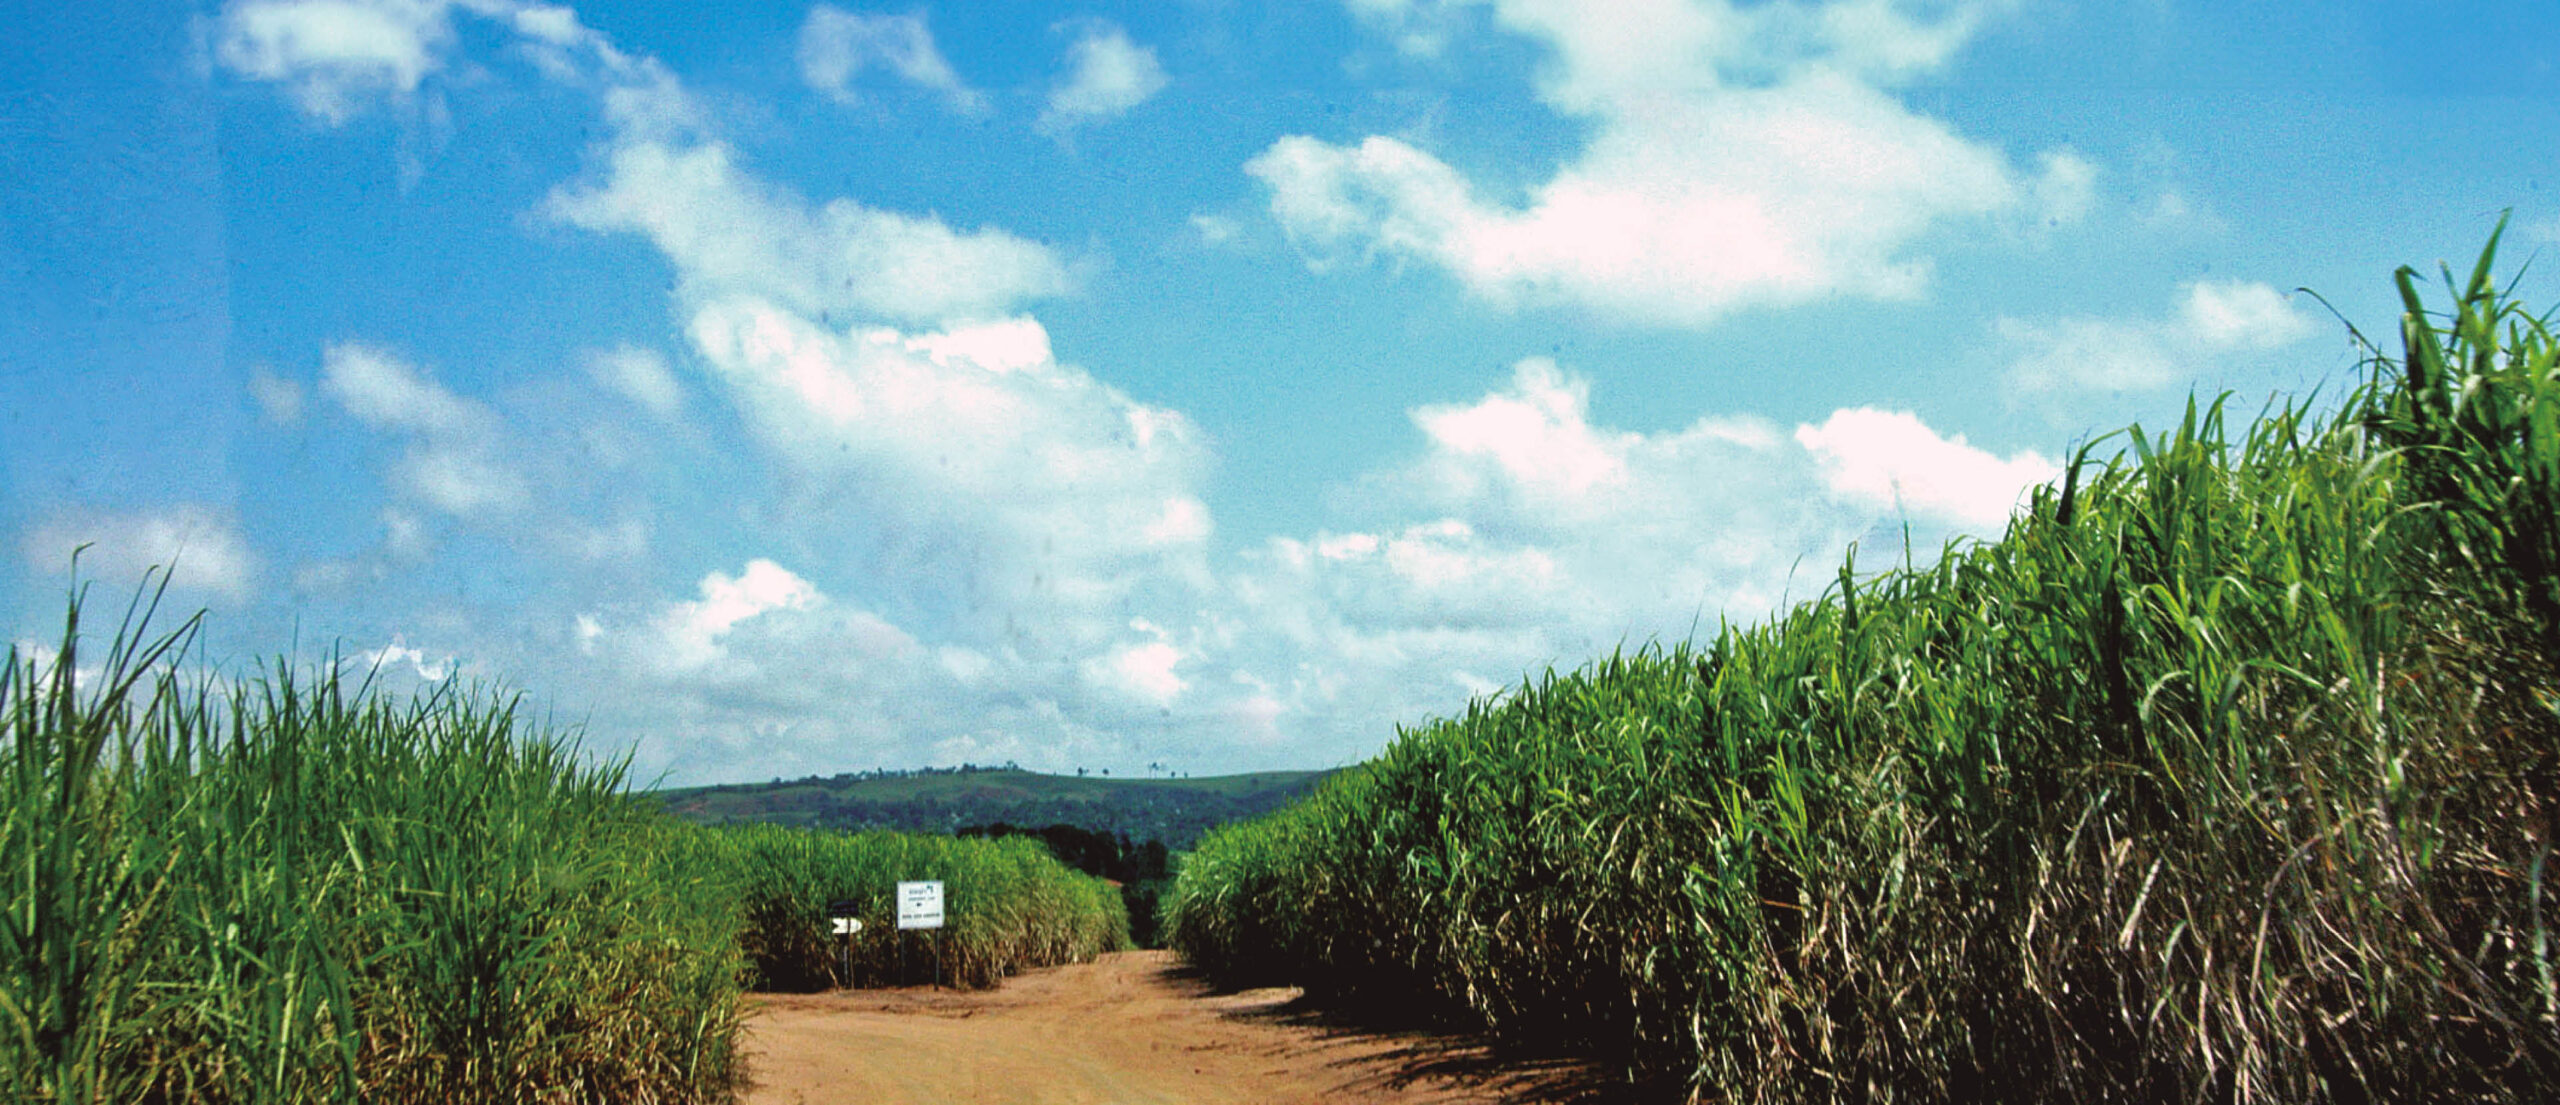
(1007, 904)
(289, 889)
(2231, 773)
(293, 889)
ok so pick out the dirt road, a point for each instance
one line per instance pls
(1131, 1028)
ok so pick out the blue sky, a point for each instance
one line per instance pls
(1207, 385)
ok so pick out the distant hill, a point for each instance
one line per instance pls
(941, 800)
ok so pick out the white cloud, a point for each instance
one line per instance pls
(728, 232)
(690, 632)
(626, 540)
(1215, 230)
(1029, 505)
(279, 398)
(2092, 353)
(1737, 158)
(1892, 459)
(201, 549)
(967, 665)
(385, 392)
(552, 25)
(1185, 521)
(1015, 507)
(1421, 28)
(398, 653)
(2214, 319)
(1107, 75)
(1143, 670)
(2238, 314)
(451, 462)
(459, 479)
(1524, 534)
(995, 555)
(339, 57)
(1553, 525)
(1015, 510)
(1007, 345)
(640, 375)
(1446, 557)
(2066, 188)
(1538, 435)
(836, 46)
(405, 536)
(335, 54)
(972, 434)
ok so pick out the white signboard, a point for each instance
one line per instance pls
(847, 926)
(920, 905)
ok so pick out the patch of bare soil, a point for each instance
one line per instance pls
(1130, 1028)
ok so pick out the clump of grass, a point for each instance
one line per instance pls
(2232, 772)
(291, 889)
(1007, 904)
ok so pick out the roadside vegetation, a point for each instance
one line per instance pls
(2230, 773)
(1008, 905)
(1144, 871)
(296, 889)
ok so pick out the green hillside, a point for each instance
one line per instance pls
(1175, 811)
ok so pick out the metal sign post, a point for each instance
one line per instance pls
(842, 911)
(919, 907)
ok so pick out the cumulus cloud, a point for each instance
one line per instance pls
(200, 549)
(1892, 459)
(764, 670)
(398, 656)
(1738, 157)
(727, 231)
(978, 432)
(690, 632)
(459, 480)
(1056, 606)
(383, 391)
(1536, 435)
(452, 461)
(837, 46)
(929, 453)
(997, 555)
(1528, 461)
(335, 55)
(639, 375)
(2237, 314)
(2213, 320)
(1525, 534)
(1142, 670)
(1106, 76)
(336, 58)
(2065, 188)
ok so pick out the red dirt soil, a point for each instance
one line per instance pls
(1129, 1028)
